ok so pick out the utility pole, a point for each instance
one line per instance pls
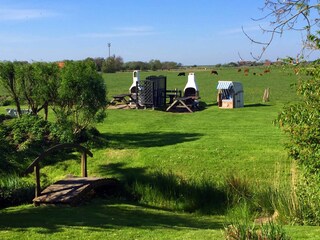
(109, 45)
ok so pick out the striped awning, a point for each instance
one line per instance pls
(224, 84)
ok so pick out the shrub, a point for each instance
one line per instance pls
(309, 197)
(22, 139)
(28, 132)
(301, 122)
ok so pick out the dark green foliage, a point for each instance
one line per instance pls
(43, 82)
(301, 122)
(8, 159)
(308, 194)
(63, 132)
(177, 193)
(5, 101)
(14, 191)
(112, 64)
(28, 132)
(4, 117)
(9, 82)
(22, 139)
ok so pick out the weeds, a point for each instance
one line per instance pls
(237, 189)
(14, 191)
(242, 226)
(174, 192)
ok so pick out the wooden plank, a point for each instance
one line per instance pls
(68, 190)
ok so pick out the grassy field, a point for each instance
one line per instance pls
(209, 144)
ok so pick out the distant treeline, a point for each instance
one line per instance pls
(115, 64)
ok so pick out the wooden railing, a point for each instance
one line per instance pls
(35, 165)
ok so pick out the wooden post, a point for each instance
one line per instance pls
(266, 94)
(84, 165)
(37, 172)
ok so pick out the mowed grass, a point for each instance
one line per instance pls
(207, 144)
(106, 220)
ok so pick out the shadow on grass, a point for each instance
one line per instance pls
(98, 217)
(257, 105)
(122, 141)
(137, 140)
(168, 190)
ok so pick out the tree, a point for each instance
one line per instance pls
(112, 64)
(136, 65)
(171, 65)
(99, 61)
(9, 82)
(155, 64)
(289, 15)
(81, 96)
(47, 77)
(38, 84)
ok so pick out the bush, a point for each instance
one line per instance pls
(301, 122)
(309, 197)
(29, 133)
(22, 139)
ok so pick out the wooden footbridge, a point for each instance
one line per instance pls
(71, 190)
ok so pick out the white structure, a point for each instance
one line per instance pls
(191, 88)
(14, 112)
(230, 94)
(135, 80)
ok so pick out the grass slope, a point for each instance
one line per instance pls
(207, 144)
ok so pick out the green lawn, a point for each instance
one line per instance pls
(101, 219)
(207, 144)
(106, 220)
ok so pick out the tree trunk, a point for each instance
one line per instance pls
(17, 102)
(46, 111)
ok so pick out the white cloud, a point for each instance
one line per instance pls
(8, 14)
(123, 32)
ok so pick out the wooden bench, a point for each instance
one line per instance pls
(121, 99)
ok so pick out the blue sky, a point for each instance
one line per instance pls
(185, 31)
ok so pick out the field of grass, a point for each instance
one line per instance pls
(206, 145)
(209, 143)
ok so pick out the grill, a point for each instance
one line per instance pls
(136, 80)
(150, 92)
(191, 88)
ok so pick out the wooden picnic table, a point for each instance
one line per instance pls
(182, 102)
(121, 98)
(172, 94)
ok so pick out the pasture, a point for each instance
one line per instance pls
(206, 145)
